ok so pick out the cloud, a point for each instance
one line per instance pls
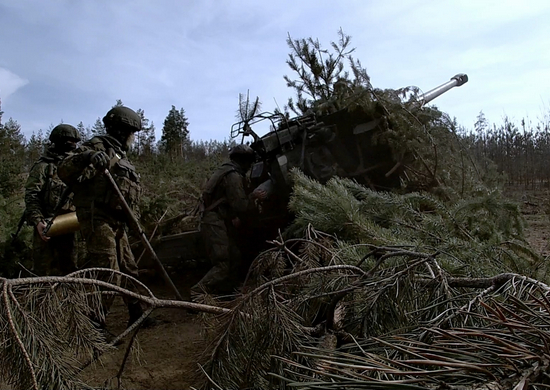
(10, 83)
(200, 54)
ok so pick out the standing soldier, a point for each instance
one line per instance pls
(99, 210)
(43, 191)
(225, 206)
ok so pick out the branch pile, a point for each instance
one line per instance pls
(48, 328)
(388, 291)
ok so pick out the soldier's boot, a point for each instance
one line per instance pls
(214, 280)
(135, 312)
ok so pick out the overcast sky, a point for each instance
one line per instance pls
(69, 61)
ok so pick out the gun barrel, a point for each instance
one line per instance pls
(456, 81)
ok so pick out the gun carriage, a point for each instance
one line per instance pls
(341, 143)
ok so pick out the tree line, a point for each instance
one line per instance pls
(324, 81)
(520, 151)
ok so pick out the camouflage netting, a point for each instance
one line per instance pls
(409, 149)
(385, 138)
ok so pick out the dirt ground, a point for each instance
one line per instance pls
(167, 354)
(535, 207)
(169, 351)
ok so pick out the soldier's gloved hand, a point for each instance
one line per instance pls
(100, 160)
(40, 226)
(236, 222)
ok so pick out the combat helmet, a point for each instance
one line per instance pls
(122, 117)
(243, 151)
(62, 132)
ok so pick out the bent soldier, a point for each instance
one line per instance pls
(225, 205)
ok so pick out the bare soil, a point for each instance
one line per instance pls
(164, 357)
(535, 207)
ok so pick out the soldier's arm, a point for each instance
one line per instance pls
(76, 164)
(33, 189)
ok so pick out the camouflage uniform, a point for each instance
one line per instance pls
(99, 211)
(226, 204)
(42, 193)
(102, 219)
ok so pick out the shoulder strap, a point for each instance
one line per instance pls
(50, 171)
(49, 176)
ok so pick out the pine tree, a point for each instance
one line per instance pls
(85, 132)
(35, 147)
(323, 83)
(98, 128)
(12, 157)
(175, 135)
(145, 138)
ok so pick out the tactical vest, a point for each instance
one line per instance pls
(97, 190)
(53, 188)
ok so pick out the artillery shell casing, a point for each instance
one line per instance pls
(64, 224)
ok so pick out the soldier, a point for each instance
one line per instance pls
(99, 211)
(43, 191)
(225, 205)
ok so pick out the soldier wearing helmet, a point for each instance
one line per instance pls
(225, 204)
(43, 190)
(99, 210)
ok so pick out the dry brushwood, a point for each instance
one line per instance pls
(504, 347)
(401, 320)
(47, 335)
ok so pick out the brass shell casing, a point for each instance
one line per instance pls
(64, 224)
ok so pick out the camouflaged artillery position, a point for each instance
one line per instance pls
(347, 142)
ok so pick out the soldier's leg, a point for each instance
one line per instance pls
(100, 244)
(64, 248)
(215, 280)
(128, 265)
(101, 253)
(234, 273)
(42, 256)
(217, 249)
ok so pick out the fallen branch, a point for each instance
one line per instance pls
(151, 301)
(495, 281)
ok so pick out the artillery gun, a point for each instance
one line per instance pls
(339, 143)
(322, 146)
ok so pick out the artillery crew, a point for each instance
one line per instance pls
(224, 205)
(45, 195)
(99, 209)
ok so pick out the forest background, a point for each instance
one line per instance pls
(174, 168)
(450, 209)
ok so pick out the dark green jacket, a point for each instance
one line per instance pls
(226, 192)
(44, 188)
